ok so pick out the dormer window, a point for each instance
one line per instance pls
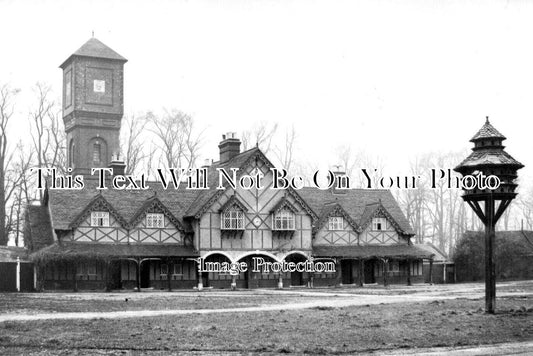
(283, 220)
(336, 223)
(100, 218)
(232, 219)
(379, 224)
(155, 220)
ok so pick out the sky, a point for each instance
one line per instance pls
(393, 78)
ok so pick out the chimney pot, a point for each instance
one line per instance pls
(118, 165)
(229, 147)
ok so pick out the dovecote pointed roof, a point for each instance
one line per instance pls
(487, 131)
(96, 49)
(491, 154)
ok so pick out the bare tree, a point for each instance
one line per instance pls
(132, 144)
(46, 130)
(260, 135)
(7, 97)
(525, 206)
(177, 138)
(21, 191)
(347, 158)
(285, 155)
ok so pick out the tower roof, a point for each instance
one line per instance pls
(487, 131)
(96, 49)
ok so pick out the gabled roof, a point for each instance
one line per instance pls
(284, 203)
(439, 254)
(233, 201)
(65, 205)
(95, 49)
(487, 131)
(355, 202)
(99, 203)
(154, 204)
(205, 198)
(377, 210)
(335, 209)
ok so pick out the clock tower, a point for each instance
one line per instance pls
(93, 105)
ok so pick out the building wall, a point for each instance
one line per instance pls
(389, 236)
(259, 204)
(115, 233)
(346, 236)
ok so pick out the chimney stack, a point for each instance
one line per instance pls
(230, 146)
(118, 165)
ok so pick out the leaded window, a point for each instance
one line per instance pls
(164, 269)
(283, 219)
(379, 224)
(100, 218)
(232, 219)
(155, 220)
(336, 223)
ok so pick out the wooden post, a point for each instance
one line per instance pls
(169, 274)
(361, 272)
(233, 282)
(200, 280)
(431, 270)
(408, 272)
(280, 281)
(18, 274)
(490, 270)
(138, 274)
(338, 266)
(385, 270)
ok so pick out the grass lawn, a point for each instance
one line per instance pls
(319, 330)
(109, 302)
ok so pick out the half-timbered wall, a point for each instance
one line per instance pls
(168, 234)
(388, 236)
(259, 204)
(87, 233)
(346, 236)
(115, 233)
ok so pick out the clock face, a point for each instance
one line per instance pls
(256, 221)
(99, 86)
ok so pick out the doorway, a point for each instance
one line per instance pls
(346, 268)
(369, 272)
(145, 274)
(297, 277)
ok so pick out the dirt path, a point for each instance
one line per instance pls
(509, 348)
(331, 300)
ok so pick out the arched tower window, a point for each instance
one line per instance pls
(97, 152)
(71, 154)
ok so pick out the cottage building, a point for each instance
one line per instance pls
(96, 239)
